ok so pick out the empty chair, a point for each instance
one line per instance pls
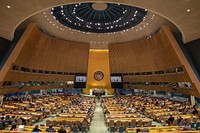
(112, 129)
(126, 124)
(69, 124)
(164, 121)
(195, 120)
(78, 123)
(48, 122)
(133, 123)
(64, 122)
(75, 128)
(111, 123)
(121, 129)
(34, 118)
(54, 123)
(84, 123)
(118, 124)
(84, 129)
(139, 123)
(149, 124)
(19, 122)
(160, 118)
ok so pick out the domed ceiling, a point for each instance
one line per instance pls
(180, 13)
(98, 17)
(99, 24)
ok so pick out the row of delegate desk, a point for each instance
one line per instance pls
(69, 109)
(163, 129)
(28, 129)
(114, 113)
(36, 109)
(120, 109)
(75, 114)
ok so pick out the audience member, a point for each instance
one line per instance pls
(36, 129)
(170, 120)
(61, 130)
(14, 126)
(50, 129)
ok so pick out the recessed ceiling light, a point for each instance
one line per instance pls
(8, 6)
(188, 10)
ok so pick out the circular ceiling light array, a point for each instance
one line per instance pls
(99, 18)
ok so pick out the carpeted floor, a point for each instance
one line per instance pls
(98, 124)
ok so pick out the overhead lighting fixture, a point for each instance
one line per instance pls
(8, 6)
(188, 10)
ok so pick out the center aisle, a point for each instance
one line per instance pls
(98, 124)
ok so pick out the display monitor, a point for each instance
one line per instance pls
(81, 78)
(116, 79)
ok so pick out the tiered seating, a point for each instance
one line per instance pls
(130, 111)
(32, 109)
(164, 129)
(28, 129)
(79, 114)
(118, 115)
(70, 111)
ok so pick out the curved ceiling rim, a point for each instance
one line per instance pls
(84, 1)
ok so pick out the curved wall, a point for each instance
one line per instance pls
(146, 55)
(153, 64)
(47, 60)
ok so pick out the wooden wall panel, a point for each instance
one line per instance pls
(160, 52)
(143, 55)
(162, 78)
(192, 92)
(35, 50)
(48, 53)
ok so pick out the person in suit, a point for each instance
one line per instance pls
(50, 129)
(36, 129)
(170, 120)
(61, 130)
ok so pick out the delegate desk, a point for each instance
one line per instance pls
(38, 115)
(2, 110)
(10, 107)
(28, 129)
(155, 129)
(73, 115)
(144, 121)
(70, 119)
(122, 116)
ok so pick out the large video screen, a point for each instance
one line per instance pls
(81, 78)
(116, 79)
